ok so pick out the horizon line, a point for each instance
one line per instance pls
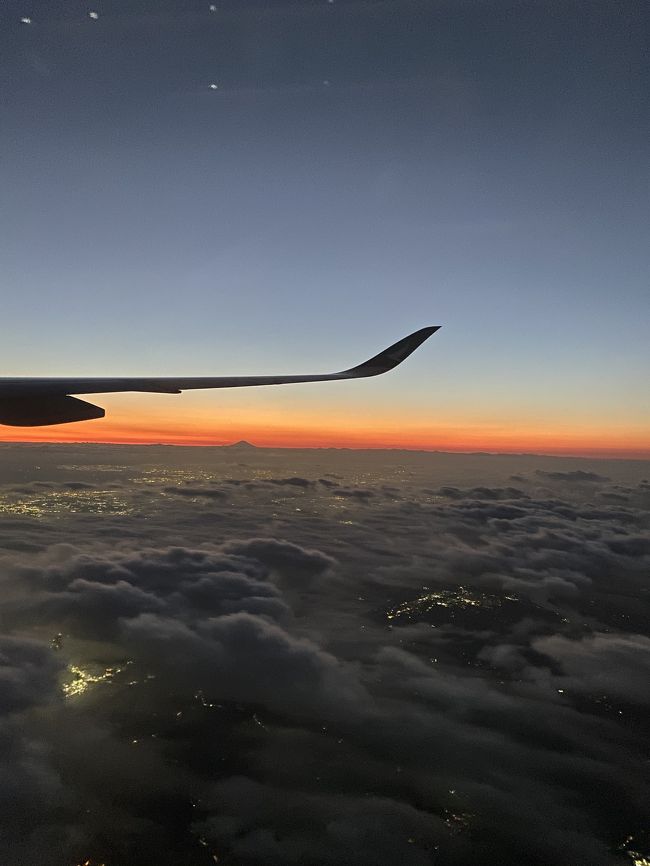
(247, 444)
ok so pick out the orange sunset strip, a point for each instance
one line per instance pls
(126, 423)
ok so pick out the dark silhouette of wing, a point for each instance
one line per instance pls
(20, 398)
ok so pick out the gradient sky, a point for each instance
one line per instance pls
(362, 169)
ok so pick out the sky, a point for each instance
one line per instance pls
(260, 187)
(274, 657)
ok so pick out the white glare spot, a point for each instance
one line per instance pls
(214, 87)
(326, 82)
(26, 20)
(213, 8)
(93, 15)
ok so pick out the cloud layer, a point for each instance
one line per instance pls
(322, 658)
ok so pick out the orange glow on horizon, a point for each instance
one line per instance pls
(307, 433)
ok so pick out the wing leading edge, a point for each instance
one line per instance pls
(17, 395)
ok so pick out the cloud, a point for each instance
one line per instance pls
(489, 493)
(634, 546)
(356, 493)
(326, 482)
(291, 560)
(29, 672)
(30, 785)
(247, 658)
(207, 492)
(617, 665)
(79, 485)
(91, 594)
(92, 609)
(262, 706)
(281, 826)
(575, 475)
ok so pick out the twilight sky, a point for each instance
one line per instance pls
(360, 170)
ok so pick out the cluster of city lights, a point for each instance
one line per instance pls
(457, 822)
(83, 679)
(57, 501)
(456, 598)
(636, 857)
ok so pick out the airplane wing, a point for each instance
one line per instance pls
(34, 402)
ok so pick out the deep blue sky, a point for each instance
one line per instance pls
(362, 169)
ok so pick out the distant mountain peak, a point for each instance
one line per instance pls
(241, 445)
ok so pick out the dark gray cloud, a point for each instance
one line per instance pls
(634, 546)
(244, 657)
(28, 673)
(602, 664)
(575, 475)
(91, 594)
(356, 493)
(92, 608)
(280, 825)
(326, 482)
(445, 669)
(290, 559)
(490, 493)
(294, 481)
(208, 492)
